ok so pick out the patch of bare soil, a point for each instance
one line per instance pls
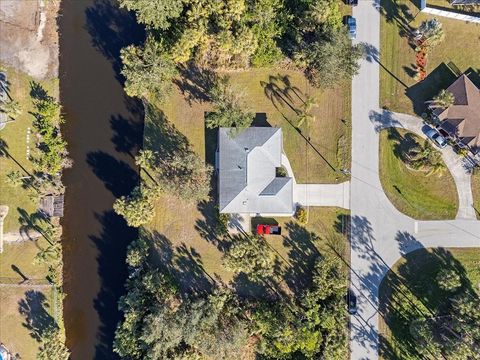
(29, 36)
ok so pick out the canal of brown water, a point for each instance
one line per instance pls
(103, 129)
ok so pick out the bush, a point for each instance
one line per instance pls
(281, 172)
(301, 215)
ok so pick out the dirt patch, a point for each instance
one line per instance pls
(29, 36)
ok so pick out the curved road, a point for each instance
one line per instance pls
(380, 234)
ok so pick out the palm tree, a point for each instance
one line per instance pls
(305, 115)
(12, 109)
(431, 32)
(146, 159)
(444, 99)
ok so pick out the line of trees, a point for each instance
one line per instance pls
(237, 34)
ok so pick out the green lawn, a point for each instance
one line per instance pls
(13, 141)
(476, 191)
(413, 192)
(25, 312)
(409, 291)
(183, 233)
(329, 145)
(398, 90)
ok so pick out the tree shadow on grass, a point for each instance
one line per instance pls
(195, 83)
(161, 135)
(34, 308)
(440, 78)
(111, 28)
(182, 262)
(413, 293)
(302, 255)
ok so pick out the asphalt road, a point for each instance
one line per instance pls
(380, 234)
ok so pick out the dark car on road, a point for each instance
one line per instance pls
(351, 303)
(351, 23)
(351, 2)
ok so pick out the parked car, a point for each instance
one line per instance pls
(352, 2)
(352, 27)
(351, 302)
(437, 138)
(269, 229)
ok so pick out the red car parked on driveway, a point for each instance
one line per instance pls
(268, 229)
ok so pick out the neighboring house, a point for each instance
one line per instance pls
(247, 181)
(461, 121)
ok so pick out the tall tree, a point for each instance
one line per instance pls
(148, 70)
(252, 256)
(329, 58)
(155, 13)
(12, 109)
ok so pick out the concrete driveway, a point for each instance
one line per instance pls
(380, 234)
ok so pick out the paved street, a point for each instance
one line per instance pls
(380, 234)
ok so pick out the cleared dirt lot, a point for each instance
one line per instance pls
(29, 37)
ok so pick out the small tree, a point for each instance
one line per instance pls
(444, 99)
(228, 106)
(53, 346)
(11, 108)
(448, 280)
(146, 159)
(14, 178)
(301, 215)
(252, 256)
(138, 207)
(431, 32)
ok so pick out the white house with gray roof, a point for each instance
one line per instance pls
(247, 180)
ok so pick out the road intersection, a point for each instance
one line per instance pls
(380, 234)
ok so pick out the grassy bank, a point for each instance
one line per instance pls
(14, 147)
(410, 292)
(413, 192)
(398, 89)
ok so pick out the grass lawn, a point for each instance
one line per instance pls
(398, 90)
(25, 312)
(413, 192)
(476, 191)
(183, 233)
(13, 142)
(409, 291)
(273, 95)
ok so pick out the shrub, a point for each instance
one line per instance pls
(301, 215)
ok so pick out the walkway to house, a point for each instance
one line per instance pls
(459, 167)
(452, 15)
(337, 195)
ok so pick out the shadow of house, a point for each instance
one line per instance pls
(440, 78)
(37, 319)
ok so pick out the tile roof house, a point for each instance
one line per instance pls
(462, 120)
(247, 178)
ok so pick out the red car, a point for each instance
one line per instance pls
(268, 229)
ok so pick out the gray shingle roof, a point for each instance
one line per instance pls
(247, 172)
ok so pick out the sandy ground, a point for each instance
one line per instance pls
(29, 37)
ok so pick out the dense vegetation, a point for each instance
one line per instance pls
(162, 323)
(237, 34)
